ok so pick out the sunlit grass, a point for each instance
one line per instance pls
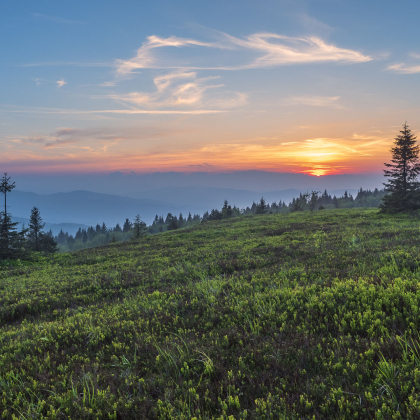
(296, 316)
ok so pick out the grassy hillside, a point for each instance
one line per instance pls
(303, 316)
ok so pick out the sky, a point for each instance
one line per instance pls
(317, 87)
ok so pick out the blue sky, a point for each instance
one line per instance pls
(290, 86)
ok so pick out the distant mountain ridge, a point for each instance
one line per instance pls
(119, 183)
(87, 207)
(81, 208)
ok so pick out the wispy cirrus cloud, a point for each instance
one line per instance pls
(145, 57)
(260, 50)
(107, 84)
(95, 138)
(80, 112)
(281, 50)
(271, 50)
(183, 89)
(403, 68)
(322, 101)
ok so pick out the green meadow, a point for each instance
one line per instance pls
(297, 316)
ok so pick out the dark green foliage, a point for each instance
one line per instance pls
(300, 203)
(49, 244)
(37, 239)
(35, 230)
(402, 187)
(12, 243)
(215, 215)
(10, 240)
(314, 200)
(227, 211)
(62, 237)
(261, 207)
(127, 226)
(172, 222)
(139, 228)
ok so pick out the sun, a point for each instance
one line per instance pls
(318, 171)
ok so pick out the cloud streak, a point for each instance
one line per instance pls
(182, 90)
(145, 57)
(111, 111)
(322, 101)
(97, 138)
(271, 50)
(403, 68)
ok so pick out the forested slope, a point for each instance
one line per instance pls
(305, 315)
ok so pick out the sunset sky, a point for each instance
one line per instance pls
(318, 87)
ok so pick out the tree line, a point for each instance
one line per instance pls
(102, 235)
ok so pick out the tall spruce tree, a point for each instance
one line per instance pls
(9, 239)
(38, 240)
(403, 190)
(36, 226)
(5, 187)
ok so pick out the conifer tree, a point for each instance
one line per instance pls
(313, 201)
(48, 243)
(9, 239)
(226, 210)
(35, 229)
(172, 222)
(139, 227)
(402, 187)
(61, 238)
(127, 225)
(90, 233)
(261, 207)
(5, 187)
(79, 234)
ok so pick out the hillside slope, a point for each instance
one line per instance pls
(299, 316)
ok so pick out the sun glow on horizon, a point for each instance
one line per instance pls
(315, 157)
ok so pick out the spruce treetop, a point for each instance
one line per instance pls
(402, 187)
